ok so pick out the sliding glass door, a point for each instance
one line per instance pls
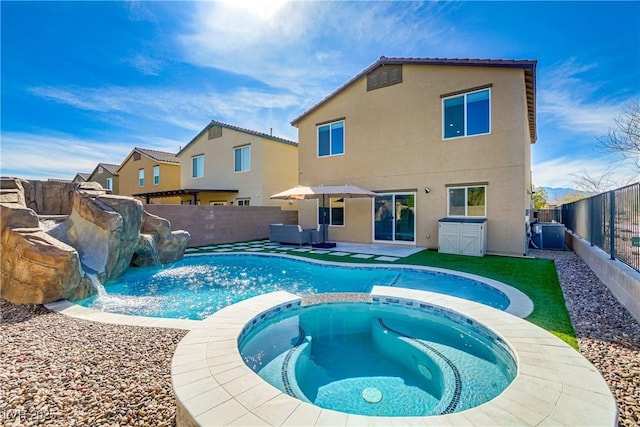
(394, 217)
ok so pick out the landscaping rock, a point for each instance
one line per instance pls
(609, 337)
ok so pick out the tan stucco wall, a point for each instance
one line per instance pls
(169, 178)
(274, 168)
(101, 178)
(393, 142)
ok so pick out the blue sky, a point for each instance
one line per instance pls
(85, 82)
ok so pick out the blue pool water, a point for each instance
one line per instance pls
(198, 286)
(380, 360)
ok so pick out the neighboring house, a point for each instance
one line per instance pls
(435, 138)
(230, 165)
(106, 175)
(150, 175)
(81, 177)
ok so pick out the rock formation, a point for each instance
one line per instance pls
(156, 233)
(101, 237)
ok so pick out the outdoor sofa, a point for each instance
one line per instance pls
(289, 234)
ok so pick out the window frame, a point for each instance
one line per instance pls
(109, 182)
(156, 176)
(241, 150)
(466, 200)
(330, 125)
(330, 212)
(141, 177)
(199, 159)
(465, 121)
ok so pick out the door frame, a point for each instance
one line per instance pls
(393, 222)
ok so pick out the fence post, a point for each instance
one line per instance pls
(612, 224)
(591, 220)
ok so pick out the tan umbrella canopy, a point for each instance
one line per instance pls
(301, 192)
(298, 192)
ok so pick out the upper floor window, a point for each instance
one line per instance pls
(156, 175)
(242, 156)
(467, 114)
(197, 166)
(244, 202)
(467, 201)
(110, 184)
(141, 177)
(331, 139)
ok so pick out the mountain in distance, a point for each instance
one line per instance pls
(554, 195)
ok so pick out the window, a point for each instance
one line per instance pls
(467, 114)
(242, 158)
(331, 139)
(244, 202)
(197, 166)
(110, 184)
(334, 213)
(156, 175)
(141, 177)
(467, 201)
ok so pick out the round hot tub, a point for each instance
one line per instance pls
(379, 359)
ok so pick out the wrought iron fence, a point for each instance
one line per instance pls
(610, 221)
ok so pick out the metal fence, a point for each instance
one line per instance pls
(610, 221)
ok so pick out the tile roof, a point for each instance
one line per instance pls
(239, 129)
(160, 156)
(112, 169)
(529, 67)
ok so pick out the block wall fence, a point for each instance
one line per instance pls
(211, 225)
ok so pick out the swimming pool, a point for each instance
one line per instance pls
(379, 360)
(198, 286)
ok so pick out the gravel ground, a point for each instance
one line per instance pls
(608, 335)
(56, 370)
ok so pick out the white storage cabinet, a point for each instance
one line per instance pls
(462, 236)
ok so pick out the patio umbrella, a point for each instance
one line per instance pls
(301, 192)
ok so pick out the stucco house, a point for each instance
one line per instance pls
(229, 165)
(106, 175)
(81, 177)
(436, 139)
(150, 175)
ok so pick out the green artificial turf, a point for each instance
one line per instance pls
(535, 277)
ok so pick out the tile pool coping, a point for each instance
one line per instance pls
(555, 385)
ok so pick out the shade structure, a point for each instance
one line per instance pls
(301, 192)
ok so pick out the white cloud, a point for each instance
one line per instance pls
(185, 110)
(562, 171)
(567, 99)
(146, 65)
(41, 156)
(311, 48)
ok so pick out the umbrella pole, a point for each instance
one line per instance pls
(325, 228)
